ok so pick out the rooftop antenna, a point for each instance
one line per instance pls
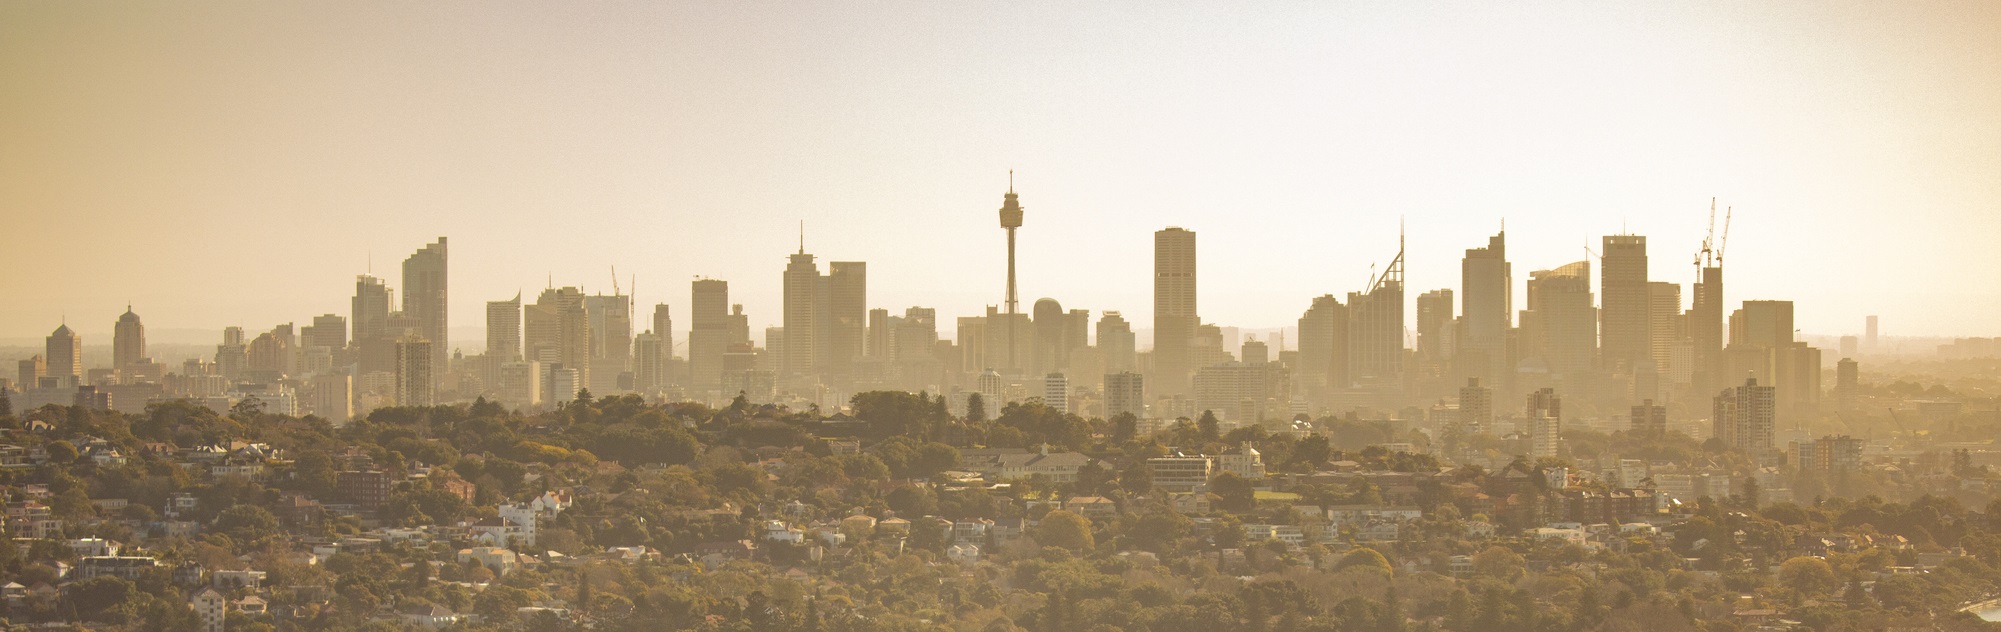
(1010, 181)
(802, 236)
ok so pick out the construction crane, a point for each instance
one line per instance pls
(1706, 255)
(1725, 244)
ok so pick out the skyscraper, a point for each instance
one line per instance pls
(1116, 343)
(128, 340)
(879, 334)
(424, 301)
(611, 341)
(1052, 344)
(1545, 419)
(503, 330)
(1476, 408)
(32, 371)
(1560, 325)
(328, 331)
(1624, 339)
(802, 314)
(1323, 347)
(1486, 286)
(1375, 328)
(708, 333)
(846, 320)
(65, 354)
(1663, 322)
(1174, 309)
(663, 326)
(1435, 313)
(1870, 335)
(1125, 393)
(556, 332)
(1847, 378)
(415, 384)
(1743, 418)
(1705, 329)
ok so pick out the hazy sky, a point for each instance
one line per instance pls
(236, 163)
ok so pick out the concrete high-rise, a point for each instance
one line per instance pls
(1625, 340)
(1545, 420)
(1174, 309)
(880, 333)
(1847, 379)
(1869, 337)
(803, 307)
(1116, 343)
(1435, 331)
(1486, 292)
(1561, 325)
(708, 333)
(1704, 323)
(1052, 339)
(64, 354)
(503, 330)
(1476, 408)
(1663, 323)
(415, 383)
(1125, 393)
(32, 370)
(128, 340)
(663, 326)
(611, 341)
(1376, 328)
(425, 300)
(1744, 418)
(1323, 347)
(846, 319)
(556, 332)
(328, 331)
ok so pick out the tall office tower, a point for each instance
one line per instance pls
(424, 300)
(1624, 340)
(1850, 346)
(32, 371)
(520, 384)
(708, 332)
(802, 313)
(649, 365)
(556, 331)
(1762, 324)
(503, 331)
(846, 319)
(1323, 347)
(1174, 309)
(1663, 323)
(1545, 417)
(1010, 342)
(232, 356)
(1870, 334)
(128, 340)
(270, 356)
(1486, 291)
(611, 341)
(415, 384)
(1125, 393)
(1116, 343)
(1255, 352)
(916, 335)
(739, 325)
(663, 326)
(327, 330)
(1434, 327)
(971, 336)
(1649, 418)
(1561, 325)
(370, 309)
(879, 334)
(1056, 392)
(1847, 378)
(1009, 349)
(1744, 418)
(1375, 328)
(65, 354)
(774, 347)
(1476, 408)
(331, 397)
(1705, 328)
(1052, 341)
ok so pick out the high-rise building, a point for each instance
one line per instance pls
(649, 364)
(1052, 337)
(128, 340)
(1323, 347)
(845, 319)
(708, 333)
(611, 341)
(1847, 378)
(520, 384)
(1624, 338)
(1174, 309)
(556, 331)
(370, 308)
(1870, 334)
(1255, 352)
(1125, 393)
(328, 331)
(1056, 392)
(1744, 418)
(1763, 324)
(1850, 346)
(1663, 323)
(415, 383)
(425, 301)
(1649, 418)
(1705, 329)
(1545, 421)
(503, 331)
(663, 326)
(1486, 291)
(1476, 408)
(64, 354)
(1116, 343)
(331, 396)
(1561, 325)
(1435, 335)
(879, 334)
(803, 307)
(32, 371)
(1376, 328)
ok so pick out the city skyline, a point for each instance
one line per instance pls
(1813, 141)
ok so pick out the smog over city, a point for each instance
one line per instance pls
(1026, 316)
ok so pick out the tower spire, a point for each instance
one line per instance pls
(802, 236)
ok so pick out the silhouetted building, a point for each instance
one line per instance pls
(1174, 309)
(425, 301)
(1487, 292)
(64, 355)
(1624, 338)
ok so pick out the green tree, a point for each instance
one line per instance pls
(1209, 426)
(1366, 558)
(1236, 492)
(246, 523)
(1808, 576)
(1061, 528)
(61, 452)
(1500, 563)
